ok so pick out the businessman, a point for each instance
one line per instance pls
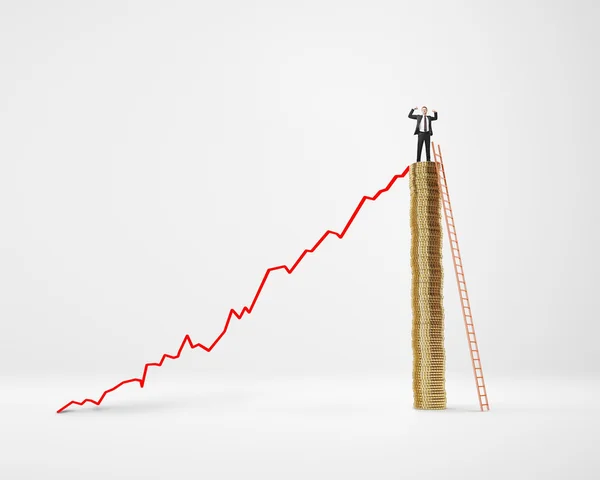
(424, 130)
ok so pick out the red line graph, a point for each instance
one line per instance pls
(232, 313)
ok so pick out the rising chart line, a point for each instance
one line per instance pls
(232, 313)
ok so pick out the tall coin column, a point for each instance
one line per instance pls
(429, 358)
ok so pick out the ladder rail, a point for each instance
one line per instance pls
(461, 283)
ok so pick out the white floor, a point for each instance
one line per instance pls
(299, 428)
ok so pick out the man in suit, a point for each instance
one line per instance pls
(424, 130)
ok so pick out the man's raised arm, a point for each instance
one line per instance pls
(434, 115)
(410, 114)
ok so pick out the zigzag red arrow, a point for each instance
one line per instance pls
(232, 312)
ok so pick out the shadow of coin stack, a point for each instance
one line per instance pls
(429, 358)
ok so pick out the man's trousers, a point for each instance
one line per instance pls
(424, 137)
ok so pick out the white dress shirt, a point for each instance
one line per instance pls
(424, 124)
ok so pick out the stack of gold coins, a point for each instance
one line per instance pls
(429, 358)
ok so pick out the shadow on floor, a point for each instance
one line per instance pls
(208, 401)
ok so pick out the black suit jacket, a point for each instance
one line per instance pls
(419, 118)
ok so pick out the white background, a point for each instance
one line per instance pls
(157, 157)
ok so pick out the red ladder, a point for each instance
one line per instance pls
(460, 279)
